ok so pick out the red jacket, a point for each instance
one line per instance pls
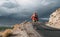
(34, 17)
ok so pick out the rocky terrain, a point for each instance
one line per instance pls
(21, 30)
(30, 29)
(54, 20)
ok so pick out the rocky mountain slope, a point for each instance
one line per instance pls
(24, 29)
(54, 20)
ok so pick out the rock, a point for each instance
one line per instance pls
(1, 34)
(54, 20)
(16, 26)
(6, 33)
(25, 30)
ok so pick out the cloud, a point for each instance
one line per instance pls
(44, 18)
(2, 1)
(15, 11)
(47, 2)
(6, 11)
(10, 5)
(25, 8)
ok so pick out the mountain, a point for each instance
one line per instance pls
(54, 20)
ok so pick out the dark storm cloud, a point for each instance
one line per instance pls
(9, 5)
(20, 9)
